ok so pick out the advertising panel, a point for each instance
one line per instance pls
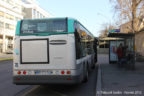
(113, 50)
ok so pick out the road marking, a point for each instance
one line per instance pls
(99, 83)
(57, 93)
(28, 91)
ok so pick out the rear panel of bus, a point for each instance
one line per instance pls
(41, 58)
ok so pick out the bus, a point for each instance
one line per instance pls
(52, 51)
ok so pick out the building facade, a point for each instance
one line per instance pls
(10, 12)
(31, 9)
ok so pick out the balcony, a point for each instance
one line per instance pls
(12, 22)
(9, 32)
(10, 41)
(1, 31)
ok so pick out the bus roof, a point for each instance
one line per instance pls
(51, 18)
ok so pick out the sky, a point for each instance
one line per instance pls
(91, 13)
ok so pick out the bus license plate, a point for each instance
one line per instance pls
(37, 72)
(49, 72)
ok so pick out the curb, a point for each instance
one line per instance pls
(5, 59)
(99, 83)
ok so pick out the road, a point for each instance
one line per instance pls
(9, 89)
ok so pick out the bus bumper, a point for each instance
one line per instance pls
(34, 80)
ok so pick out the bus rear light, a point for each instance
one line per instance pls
(24, 72)
(68, 72)
(19, 72)
(62, 72)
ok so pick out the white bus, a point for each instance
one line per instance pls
(52, 50)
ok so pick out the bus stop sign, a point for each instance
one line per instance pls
(114, 30)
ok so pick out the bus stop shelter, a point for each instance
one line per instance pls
(127, 40)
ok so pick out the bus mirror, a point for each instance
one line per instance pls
(77, 35)
(78, 39)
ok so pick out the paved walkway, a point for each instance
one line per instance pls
(3, 56)
(119, 81)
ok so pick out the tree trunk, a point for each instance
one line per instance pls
(134, 17)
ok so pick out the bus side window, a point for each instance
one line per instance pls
(77, 42)
(83, 35)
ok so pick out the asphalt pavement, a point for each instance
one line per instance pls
(117, 81)
(3, 55)
(113, 81)
(7, 88)
(84, 89)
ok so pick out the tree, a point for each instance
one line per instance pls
(131, 10)
(103, 33)
(105, 28)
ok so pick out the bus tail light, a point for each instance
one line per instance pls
(62, 72)
(68, 72)
(19, 72)
(24, 72)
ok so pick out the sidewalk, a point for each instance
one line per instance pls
(119, 81)
(6, 56)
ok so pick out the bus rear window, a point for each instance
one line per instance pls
(44, 26)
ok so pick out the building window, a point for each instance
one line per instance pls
(1, 14)
(9, 17)
(9, 26)
(34, 12)
(37, 14)
(8, 1)
(40, 15)
(1, 24)
(18, 6)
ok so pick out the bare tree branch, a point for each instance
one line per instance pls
(130, 10)
(138, 2)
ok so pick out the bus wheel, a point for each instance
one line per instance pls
(86, 74)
